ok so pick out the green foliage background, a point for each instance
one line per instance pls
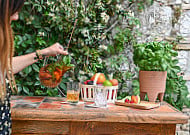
(44, 22)
(93, 48)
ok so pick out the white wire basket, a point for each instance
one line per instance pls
(88, 91)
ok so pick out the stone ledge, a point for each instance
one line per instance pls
(184, 41)
(185, 7)
(183, 47)
(185, 110)
(186, 77)
(171, 3)
(182, 133)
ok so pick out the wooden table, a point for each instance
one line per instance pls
(48, 116)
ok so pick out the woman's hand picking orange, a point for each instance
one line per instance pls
(54, 50)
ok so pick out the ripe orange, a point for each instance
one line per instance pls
(114, 82)
(101, 78)
(57, 75)
(135, 99)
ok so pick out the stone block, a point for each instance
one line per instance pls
(186, 1)
(188, 66)
(182, 54)
(183, 47)
(178, 127)
(156, 21)
(183, 26)
(185, 6)
(183, 64)
(182, 133)
(185, 110)
(185, 127)
(178, 1)
(188, 85)
(185, 41)
(174, 2)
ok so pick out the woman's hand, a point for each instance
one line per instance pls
(54, 50)
(21, 62)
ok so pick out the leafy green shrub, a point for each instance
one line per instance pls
(43, 23)
(154, 56)
(161, 56)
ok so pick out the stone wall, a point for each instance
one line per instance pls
(167, 19)
(163, 20)
(184, 129)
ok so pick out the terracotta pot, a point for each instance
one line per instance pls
(152, 83)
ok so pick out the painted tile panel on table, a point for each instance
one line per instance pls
(12, 104)
(67, 106)
(55, 103)
(53, 99)
(16, 97)
(34, 99)
(50, 106)
(32, 105)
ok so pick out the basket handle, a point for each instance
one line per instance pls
(45, 60)
(96, 78)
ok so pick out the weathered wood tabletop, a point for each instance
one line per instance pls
(49, 116)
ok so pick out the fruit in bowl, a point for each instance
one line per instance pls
(101, 78)
(114, 82)
(86, 82)
(107, 83)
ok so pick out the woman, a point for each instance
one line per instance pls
(10, 65)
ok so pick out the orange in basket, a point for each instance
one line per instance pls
(51, 74)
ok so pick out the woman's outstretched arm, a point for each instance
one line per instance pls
(23, 61)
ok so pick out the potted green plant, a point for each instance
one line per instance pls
(153, 59)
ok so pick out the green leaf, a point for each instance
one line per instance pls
(26, 90)
(63, 86)
(19, 88)
(175, 61)
(164, 67)
(37, 83)
(35, 67)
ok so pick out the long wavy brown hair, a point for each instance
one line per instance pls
(7, 9)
